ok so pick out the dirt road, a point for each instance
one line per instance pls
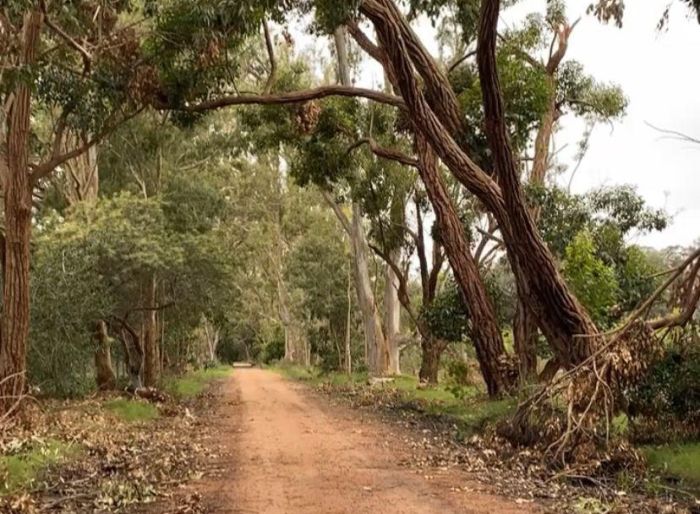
(292, 452)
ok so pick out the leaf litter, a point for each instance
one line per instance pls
(113, 465)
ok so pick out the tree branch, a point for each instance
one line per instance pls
(290, 97)
(87, 58)
(344, 221)
(271, 55)
(384, 152)
(45, 168)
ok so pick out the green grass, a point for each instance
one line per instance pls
(132, 410)
(681, 461)
(193, 383)
(20, 470)
(297, 372)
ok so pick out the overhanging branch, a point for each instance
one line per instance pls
(290, 97)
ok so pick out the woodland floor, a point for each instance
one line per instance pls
(257, 442)
(291, 451)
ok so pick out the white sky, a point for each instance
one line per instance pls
(660, 75)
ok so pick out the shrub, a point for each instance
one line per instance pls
(666, 404)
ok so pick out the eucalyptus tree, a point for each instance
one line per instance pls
(77, 64)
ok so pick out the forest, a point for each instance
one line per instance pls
(365, 201)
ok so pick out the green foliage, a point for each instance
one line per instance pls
(323, 158)
(586, 97)
(68, 296)
(593, 282)
(458, 379)
(670, 392)
(525, 94)
(606, 216)
(132, 411)
(447, 315)
(196, 45)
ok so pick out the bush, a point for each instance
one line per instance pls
(666, 404)
(273, 350)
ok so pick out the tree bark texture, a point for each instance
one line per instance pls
(431, 352)
(151, 348)
(104, 371)
(377, 351)
(17, 189)
(484, 329)
(559, 314)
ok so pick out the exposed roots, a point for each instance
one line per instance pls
(570, 418)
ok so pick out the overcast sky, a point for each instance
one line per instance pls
(660, 74)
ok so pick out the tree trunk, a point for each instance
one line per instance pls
(392, 316)
(431, 352)
(484, 329)
(525, 330)
(378, 355)
(525, 340)
(134, 356)
(82, 179)
(557, 311)
(561, 316)
(151, 348)
(17, 190)
(105, 377)
(348, 320)
(377, 351)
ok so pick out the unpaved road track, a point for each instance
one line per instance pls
(290, 452)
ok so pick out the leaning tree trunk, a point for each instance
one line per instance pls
(560, 316)
(484, 329)
(17, 190)
(105, 377)
(525, 330)
(151, 348)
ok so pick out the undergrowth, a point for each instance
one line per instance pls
(22, 467)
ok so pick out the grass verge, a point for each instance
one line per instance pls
(471, 412)
(191, 384)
